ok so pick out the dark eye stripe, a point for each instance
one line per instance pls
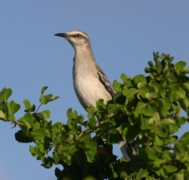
(76, 35)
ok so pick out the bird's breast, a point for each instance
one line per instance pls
(89, 89)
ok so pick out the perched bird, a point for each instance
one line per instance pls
(90, 82)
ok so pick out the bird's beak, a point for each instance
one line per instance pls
(64, 35)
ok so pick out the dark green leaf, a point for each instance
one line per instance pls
(152, 153)
(112, 108)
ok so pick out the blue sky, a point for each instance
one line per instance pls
(123, 35)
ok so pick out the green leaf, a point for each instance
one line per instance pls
(26, 121)
(90, 150)
(170, 125)
(27, 103)
(158, 141)
(91, 109)
(170, 168)
(130, 92)
(2, 115)
(128, 132)
(5, 94)
(54, 98)
(140, 79)
(152, 153)
(142, 173)
(167, 103)
(45, 98)
(92, 122)
(162, 131)
(180, 94)
(117, 86)
(13, 107)
(43, 90)
(166, 156)
(143, 92)
(155, 119)
(71, 114)
(36, 125)
(140, 107)
(85, 138)
(180, 150)
(68, 150)
(124, 77)
(178, 176)
(179, 66)
(47, 162)
(176, 109)
(100, 104)
(145, 123)
(150, 110)
(112, 108)
(44, 115)
(35, 151)
(185, 71)
(174, 89)
(185, 138)
(184, 103)
(38, 134)
(186, 86)
(159, 162)
(56, 157)
(57, 126)
(25, 125)
(29, 107)
(57, 140)
(147, 69)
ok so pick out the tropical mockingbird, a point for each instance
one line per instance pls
(90, 82)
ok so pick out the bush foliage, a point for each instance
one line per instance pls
(148, 109)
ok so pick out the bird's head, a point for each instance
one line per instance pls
(77, 39)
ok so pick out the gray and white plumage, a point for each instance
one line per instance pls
(90, 82)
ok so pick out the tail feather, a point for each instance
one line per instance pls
(123, 145)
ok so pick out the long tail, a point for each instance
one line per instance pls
(123, 145)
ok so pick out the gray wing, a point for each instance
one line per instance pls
(104, 80)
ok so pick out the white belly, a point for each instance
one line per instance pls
(89, 90)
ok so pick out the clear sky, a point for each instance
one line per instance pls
(123, 35)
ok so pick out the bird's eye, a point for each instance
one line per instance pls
(78, 35)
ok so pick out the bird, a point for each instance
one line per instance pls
(89, 80)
